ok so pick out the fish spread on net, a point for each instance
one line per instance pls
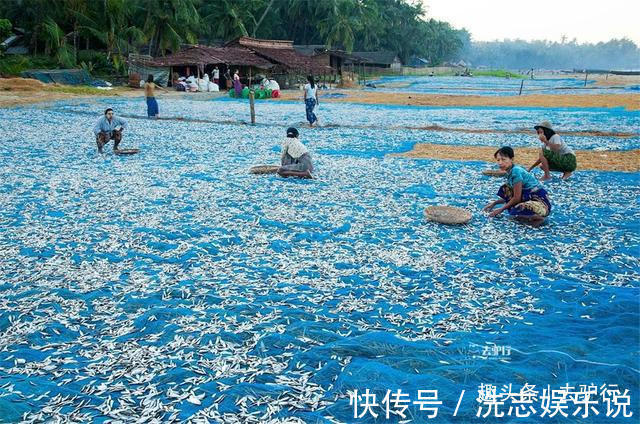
(151, 288)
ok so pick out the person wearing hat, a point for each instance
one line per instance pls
(555, 155)
(295, 158)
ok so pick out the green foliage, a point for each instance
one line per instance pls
(61, 28)
(500, 73)
(95, 62)
(121, 26)
(13, 65)
(5, 28)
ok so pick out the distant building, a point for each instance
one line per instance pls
(15, 43)
(333, 58)
(418, 62)
(380, 59)
(282, 54)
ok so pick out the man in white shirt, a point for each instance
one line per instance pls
(216, 75)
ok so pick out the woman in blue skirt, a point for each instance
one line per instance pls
(523, 196)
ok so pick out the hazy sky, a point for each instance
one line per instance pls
(586, 20)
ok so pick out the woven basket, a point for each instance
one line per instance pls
(126, 151)
(447, 215)
(264, 169)
(494, 173)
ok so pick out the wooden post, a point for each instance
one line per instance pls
(364, 75)
(586, 74)
(521, 84)
(252, 107)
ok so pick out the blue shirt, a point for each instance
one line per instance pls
(103, 125)
(518, 174)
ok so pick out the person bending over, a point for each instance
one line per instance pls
(523, 196)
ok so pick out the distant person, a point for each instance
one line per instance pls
(149, 93)
(227, 79)
(311, 99)
(106, 130)
(523, 195)
(237, 85)
(555, 155)
(216, 75)
(295, 158)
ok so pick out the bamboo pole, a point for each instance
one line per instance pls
(252, 106)
(521, 85)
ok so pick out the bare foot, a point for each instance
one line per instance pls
(535, 221)
(545, 178)
(566, 175)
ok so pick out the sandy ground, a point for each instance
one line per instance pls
(528, 131)
(21, 91)
(627, 161)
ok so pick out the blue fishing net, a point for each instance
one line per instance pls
(493, 86)
(173, 284)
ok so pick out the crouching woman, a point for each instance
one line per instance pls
(522, 196)
(295, 159)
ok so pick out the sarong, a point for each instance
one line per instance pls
(560, 163)
(301, 164)
(534, 202)
(152, 107)
(310, 104)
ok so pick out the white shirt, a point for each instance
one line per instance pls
(293, 147)
(216, 74)
(557, 141)
(310, 93)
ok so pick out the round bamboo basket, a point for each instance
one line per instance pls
(264, 169)
(447, 215)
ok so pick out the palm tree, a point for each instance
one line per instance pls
(169, 23)
(56, 43)
(226, 20)
(74, 9)
(30, 14)
(109, 23)
(340, 24)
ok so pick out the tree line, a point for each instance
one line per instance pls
(67, 29)
(616, 54)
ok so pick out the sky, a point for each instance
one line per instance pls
(585, 20)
